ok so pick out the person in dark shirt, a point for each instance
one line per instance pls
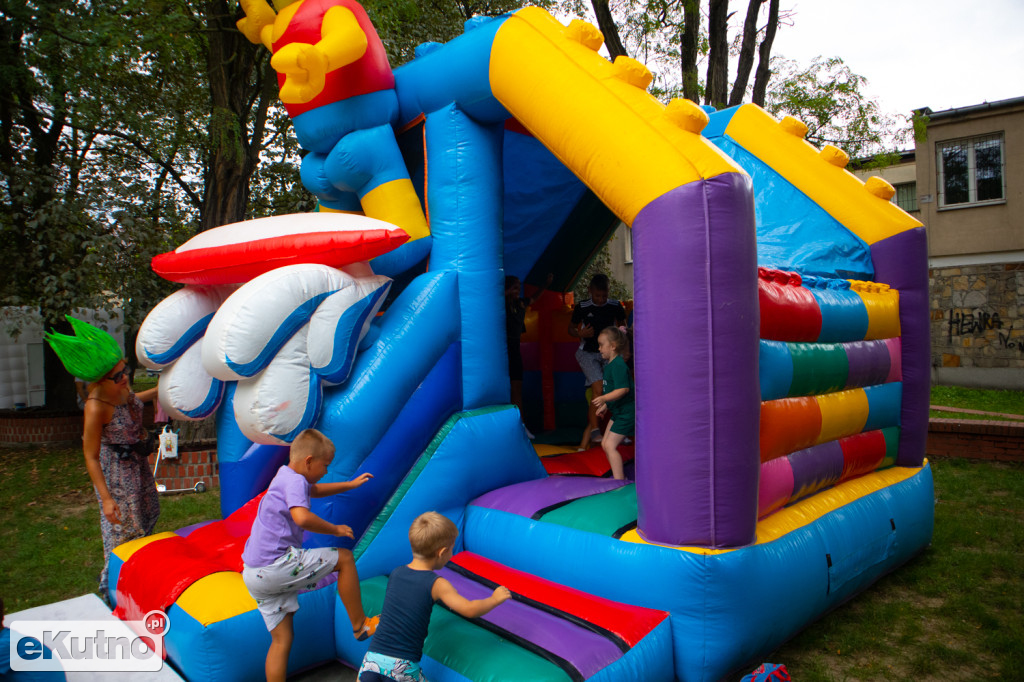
(588, 319)
(397, 646)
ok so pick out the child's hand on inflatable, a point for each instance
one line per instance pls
(361, 479)
(305, 68)
(343, 532)
(501, 594)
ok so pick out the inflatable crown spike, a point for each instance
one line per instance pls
(89, 354)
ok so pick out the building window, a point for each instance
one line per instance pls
(906, 196)
(971, 171)
(627, 236)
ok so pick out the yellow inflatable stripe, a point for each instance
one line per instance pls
(863, 209)
(597, 117)
(216, 597)
(883, 306)
(396, 202)
(843, 413)
(544, 450)
(125, 551)
(809, 510)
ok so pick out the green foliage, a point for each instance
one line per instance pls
(404, 24)
(829, 98)
(601, 264)
(919, 122)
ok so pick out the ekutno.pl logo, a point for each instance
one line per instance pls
(89, 645)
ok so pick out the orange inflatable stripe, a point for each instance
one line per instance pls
(788, 425)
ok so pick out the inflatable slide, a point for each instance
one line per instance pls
(780, 359)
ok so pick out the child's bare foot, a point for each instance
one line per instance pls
(367, 629)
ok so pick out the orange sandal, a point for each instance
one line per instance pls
(366, 631)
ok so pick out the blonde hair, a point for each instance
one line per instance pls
(310, 443)
(617, 338)
(430, 532)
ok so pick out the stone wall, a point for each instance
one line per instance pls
(977, 316)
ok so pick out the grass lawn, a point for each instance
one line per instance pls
(988, 400)
(953, 612)
(50, 527)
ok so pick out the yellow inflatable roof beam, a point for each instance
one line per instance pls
(883, 306)
(808, 510)
(125, 551)
(862, 208)
(597, 117)
(216, 597)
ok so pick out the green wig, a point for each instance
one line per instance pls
(88, 355)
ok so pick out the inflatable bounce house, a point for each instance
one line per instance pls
(781, 362)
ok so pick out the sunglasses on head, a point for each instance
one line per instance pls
(119, 375)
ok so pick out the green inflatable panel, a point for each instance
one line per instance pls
(818, 368)
(892, 445)
(604, 513)
(468, 649)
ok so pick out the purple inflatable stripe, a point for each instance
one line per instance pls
(895, 360)
(585, 650)
(815, 468)
(901, 261)
(698, 399)
(187, 530)
(529, 497)
(869, 363)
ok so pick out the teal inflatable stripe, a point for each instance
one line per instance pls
(817, 368)
(421, 463)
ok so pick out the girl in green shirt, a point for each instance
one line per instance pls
(617, 399)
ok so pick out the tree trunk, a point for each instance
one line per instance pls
(746, 60)
(716, 93)
(764, 72)
(239, 74)
(606, 23)
(688, 49)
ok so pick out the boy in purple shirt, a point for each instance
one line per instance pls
(276, 567)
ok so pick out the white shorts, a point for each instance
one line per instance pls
(276, 587)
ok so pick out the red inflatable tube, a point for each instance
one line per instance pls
(789, 312)
(631, 623)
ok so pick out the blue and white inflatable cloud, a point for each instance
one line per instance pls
(281, 336)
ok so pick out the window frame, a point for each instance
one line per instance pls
(971, 143)
(896, 195)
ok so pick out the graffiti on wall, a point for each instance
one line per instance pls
(980, 323)
(973, 323)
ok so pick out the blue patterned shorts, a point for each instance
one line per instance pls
(378, 667)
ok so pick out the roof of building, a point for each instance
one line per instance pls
(972, 109)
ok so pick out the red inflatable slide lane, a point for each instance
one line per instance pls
(631, 623)
(590, 462)
(156, 575)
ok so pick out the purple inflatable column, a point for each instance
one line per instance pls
(901, 261)
(696, 328)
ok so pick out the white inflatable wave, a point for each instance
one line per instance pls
(169, 340)
(186, 391)
(177, 322)
(256, 321)
(281, 335)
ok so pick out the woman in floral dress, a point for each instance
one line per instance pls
(125, 489)
(120, 473)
